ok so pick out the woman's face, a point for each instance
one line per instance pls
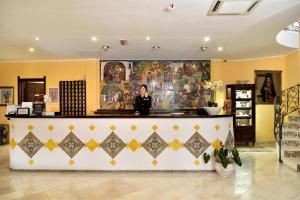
(142, 91)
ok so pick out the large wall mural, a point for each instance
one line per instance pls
(172, 84)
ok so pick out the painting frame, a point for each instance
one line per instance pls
(53, 93)
(6, 95)
(268, 84)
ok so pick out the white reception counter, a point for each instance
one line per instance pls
(114, 142)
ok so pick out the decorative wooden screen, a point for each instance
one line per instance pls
(72, 98)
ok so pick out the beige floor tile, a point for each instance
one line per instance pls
(260, 178)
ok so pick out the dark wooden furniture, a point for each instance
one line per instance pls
(243, 109)
(72, 98)
(31, 89)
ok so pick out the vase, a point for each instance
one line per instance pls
(225, 172)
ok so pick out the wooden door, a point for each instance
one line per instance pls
(31, 90)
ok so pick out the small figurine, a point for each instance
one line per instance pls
(227, 106)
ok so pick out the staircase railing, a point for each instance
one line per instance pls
(285, 103)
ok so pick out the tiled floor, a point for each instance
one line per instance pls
(261, 177)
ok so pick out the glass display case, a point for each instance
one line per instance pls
(243, 109)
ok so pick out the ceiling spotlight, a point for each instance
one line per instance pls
(31, 49)
(220, 48)
(147, 38)
(170, 7)
(155, 48)
(206, 39)
(37, 39)
(203, 48)
(105, 48)
(94, 38)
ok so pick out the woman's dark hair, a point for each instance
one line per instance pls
(145, 86)
(262, 90)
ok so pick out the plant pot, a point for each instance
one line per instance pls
(212, 110)
(225, 172)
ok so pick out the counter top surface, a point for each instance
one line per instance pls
(172, 115)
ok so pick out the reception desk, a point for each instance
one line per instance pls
(117, 142)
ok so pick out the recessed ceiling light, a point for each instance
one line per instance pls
(206, 38)
(37, 39)
(203, 48)
(155, 48)
(170, 7)
(31, 49)
(105, 47)
(220, 48)
(148, 38)
(94, 38)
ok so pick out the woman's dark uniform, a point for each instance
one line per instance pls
(142, 104)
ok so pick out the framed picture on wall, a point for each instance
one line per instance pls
(6, 95)
(54, 95)
(268, 85)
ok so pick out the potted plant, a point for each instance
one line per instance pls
(226, 158)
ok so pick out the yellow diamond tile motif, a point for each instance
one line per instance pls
(134, 145)
(175, 145)
(216, 144)
(13, 127)
(113, 162)
(92, 127)
(71, 162)
(30, 162)
(50, 144)
(229, 125)
(113, 128)
(196, 127)
(154, 127)
(71, 127)
(50, 127)
(175, 127)
(30, 127)
(154, 162)
(217, 127)
(133, 127)
(92, 145)
(13, 143)
(197, 162)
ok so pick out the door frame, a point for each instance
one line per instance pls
(28, 79)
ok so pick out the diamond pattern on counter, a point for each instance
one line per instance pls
(51, 144)
(71, 145)
(112, 145)
(175, 145)
(13, 143)
(154, 145)
(30, 144)
(196, 145)
(229, 143)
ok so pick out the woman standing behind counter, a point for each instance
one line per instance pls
(143, 102)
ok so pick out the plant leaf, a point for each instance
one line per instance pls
(206, 158)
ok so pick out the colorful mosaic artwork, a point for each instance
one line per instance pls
(154, 145)
(196, 145)
(172, 84)
(30, 144)
(71, 145)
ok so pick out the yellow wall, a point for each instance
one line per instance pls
(293, 67)
(231, 71)
(228, 72)
(54, 71)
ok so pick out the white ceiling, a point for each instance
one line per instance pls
(66, 26)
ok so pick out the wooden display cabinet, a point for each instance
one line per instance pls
(243, 109)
